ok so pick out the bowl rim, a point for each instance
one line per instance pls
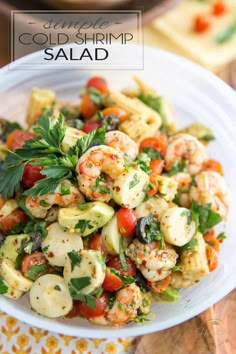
(102, 332)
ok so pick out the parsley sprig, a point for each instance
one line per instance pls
(45, 150)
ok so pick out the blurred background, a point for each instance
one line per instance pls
(201, 30)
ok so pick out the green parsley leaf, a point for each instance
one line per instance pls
(143, 161)
(57, 287)
(43, 186)
(80, 283)
(111, 300)
(221, 237)
(226, 34)
(75, 259)
(178, 166)
(98, 292)
(134, 182)
(100, 186)
(126, 279)
(36, 270)
(157, 103)
(44, 204)
(95, 95)
(65, 189)
(122, 254)
(204, 217)
(83, 224)
(177, 268)
(153, 153)
(3, 287)
(190, 246)
(76, 285)
(10, 180)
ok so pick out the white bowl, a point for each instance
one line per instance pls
(196, 95)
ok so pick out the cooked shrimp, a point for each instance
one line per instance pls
(126, 305)
(97, 169)
(211, 188)
(185, 147)
(39, 206)
(154, 263)
(184, 181)
(178, 281)
(123, 143)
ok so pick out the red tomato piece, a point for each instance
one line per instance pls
(31, 175)
(219, 8)
(12, 220)
(112, 282)
(114, 262)
(117, 111)
(202, 23)
(87, 106)
(156, 166)
(88, 312)
(212, 240)
(153, 187)
(17, 138)
(90, 125)
(159, 286)
(127, 220)
(30, 260)
(98, 83)
(2, 201)
(153, 142)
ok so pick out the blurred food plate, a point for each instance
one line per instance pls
(212, 46)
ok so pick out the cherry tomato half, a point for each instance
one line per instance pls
(127, 220)
(212, 258)
(153, 142)
(30, 260)
(88, 312)
(87, 106)
(153, 186)
(117, 111)
(219, 8)
(213, 165)
(2, 201)
(12, 220)
(114, 262)
(98, 83)
(31, 175)
(112, 282)
(17, 138)
(202, 23)
(90, 125)
(95, 243)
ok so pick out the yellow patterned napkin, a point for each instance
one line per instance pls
(18, 338)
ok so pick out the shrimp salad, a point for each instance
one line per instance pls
(105, 205)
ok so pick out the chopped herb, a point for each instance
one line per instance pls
(140, 318)
(157, 103)
(95, 95)
(190, 246)
(100, 187)
(76, 285)
(221, 237)
(57, 287)
(83, 206)
(28, 248)
(134, 182)
(17, 229)
(122, 254)
(126, 279)
(44, 204)
(111, 300)
(193, 182)
(83, 224)
(226, 34)
(178, 166)
(98, 292)
(75, 123)
(153, 153)
(19, 259)
(45, 249)
(3, 287)
(120, 306)
(36, 270)
(65, 189)
(177, 268)
(204, 217)
(148, 230)
(75, 259)
(145, 302)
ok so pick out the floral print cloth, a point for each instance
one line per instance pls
(19, 338)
